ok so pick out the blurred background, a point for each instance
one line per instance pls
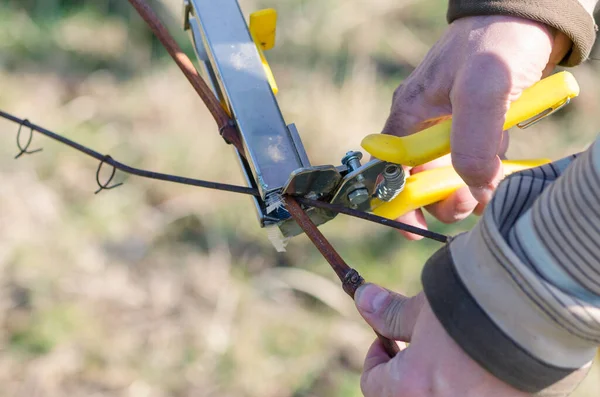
(155, 289)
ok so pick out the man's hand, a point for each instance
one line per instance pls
(473, 72)
(432, 366)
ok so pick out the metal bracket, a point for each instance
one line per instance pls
(367, 177)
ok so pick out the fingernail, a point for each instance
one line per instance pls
(370, 297)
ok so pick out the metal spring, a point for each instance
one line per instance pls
(392, 184)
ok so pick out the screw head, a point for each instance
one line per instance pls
(358, 196)
(351, 156)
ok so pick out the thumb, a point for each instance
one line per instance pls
(391, 314)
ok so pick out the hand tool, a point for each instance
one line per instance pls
(273, 159)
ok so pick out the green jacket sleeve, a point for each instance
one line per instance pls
(572, 17)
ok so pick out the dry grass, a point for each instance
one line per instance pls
(155, 289)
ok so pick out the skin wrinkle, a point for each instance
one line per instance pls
(407, 116)
(396, 327)
(431, 72)
(413, 94)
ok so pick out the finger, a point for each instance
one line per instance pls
(401, 121)
(436, 163)
(421, 100)
(414, 218)
(375, 379)
(455, 207)
(375, 356)
(562, 44)
(389, 313)
(479, 109)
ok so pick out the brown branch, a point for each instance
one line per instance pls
(224, 123)
(349, 277)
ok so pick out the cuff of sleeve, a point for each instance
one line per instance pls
(472, 329)
(568, 16)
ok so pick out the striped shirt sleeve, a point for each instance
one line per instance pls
(520, 293)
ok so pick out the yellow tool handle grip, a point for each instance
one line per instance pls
(434, 185)
(434, 142)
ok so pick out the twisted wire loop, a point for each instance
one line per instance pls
(105, 186)
(24, 150)
(129, 169)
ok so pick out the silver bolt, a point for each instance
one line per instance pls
(358, 196)
(352, 160)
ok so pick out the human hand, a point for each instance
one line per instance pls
(479, 66)
(432, 366)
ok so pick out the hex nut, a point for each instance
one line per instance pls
(358, 196)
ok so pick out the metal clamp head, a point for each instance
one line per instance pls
(359, 186)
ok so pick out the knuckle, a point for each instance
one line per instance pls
(398, 93)
(400, 122)
(409, 92)
(407, 110)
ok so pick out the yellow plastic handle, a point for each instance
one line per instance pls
(431, 143)
(434, 185)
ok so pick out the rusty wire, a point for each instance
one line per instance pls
(106, 159)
